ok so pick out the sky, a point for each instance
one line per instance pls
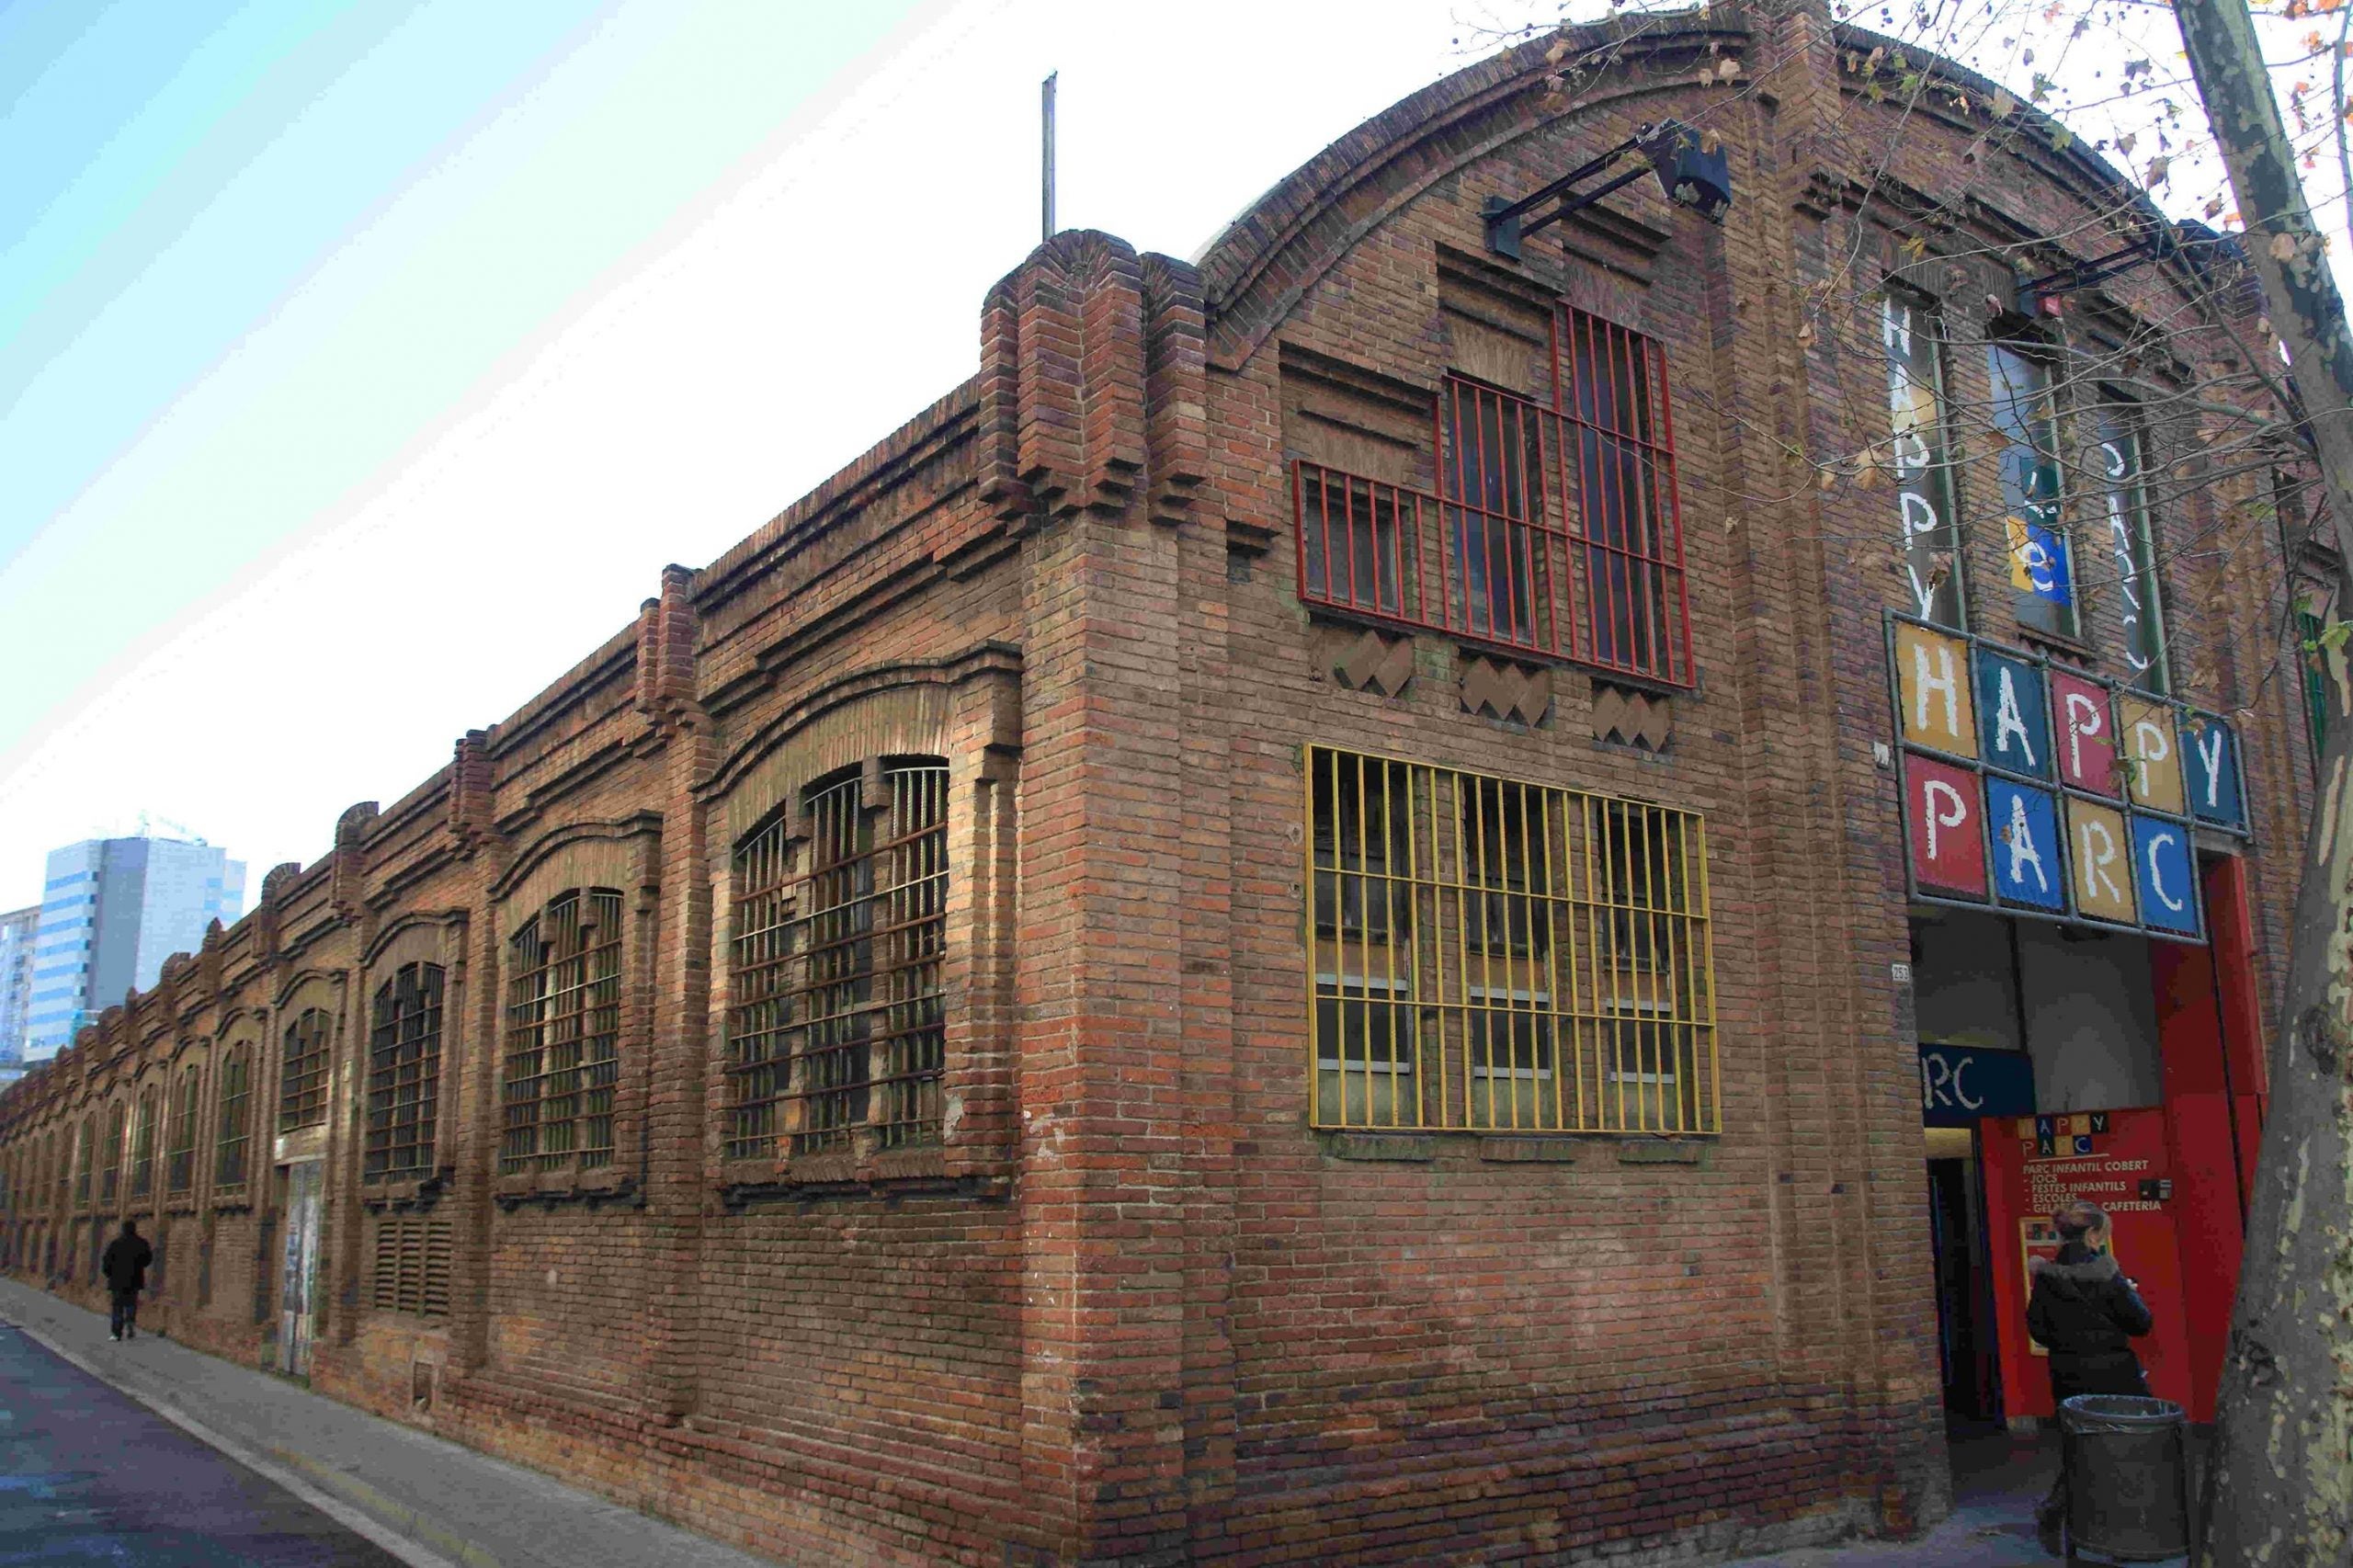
(361, 364)
(363, 361)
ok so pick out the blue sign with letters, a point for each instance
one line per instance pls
(2161, 872)
(2024, 822)
(2013, 722)
(1959, 1084)
(2212, 771)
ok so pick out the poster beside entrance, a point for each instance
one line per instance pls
(2117, 1159)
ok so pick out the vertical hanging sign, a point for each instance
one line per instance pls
(2051, 793)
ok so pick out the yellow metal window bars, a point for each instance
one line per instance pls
(1500, 956)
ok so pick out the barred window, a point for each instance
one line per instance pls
(2042, 557)
(412, 1266)
(404, 1071)
(111, 1157)
(85, 1153)
(563, 1021)
(839, 1019)
(1504, 533)
(179, 1170)
(303, 1075)
(1913, 333)
(1492, 954)
(142, 1145)
(1623, 486)
(1554, 528)
(2123, 458)
(229, 1142)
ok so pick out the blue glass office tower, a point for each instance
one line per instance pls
(111, 911)
(18, 929)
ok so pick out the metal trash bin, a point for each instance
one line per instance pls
(2127, 1476)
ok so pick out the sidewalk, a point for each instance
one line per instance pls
(431, 1502)
(1998, 1479)
(1998, 1482)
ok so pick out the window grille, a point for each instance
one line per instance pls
(759, 1039)
(1554, 530)
(909, 948)
(403, 1073)
(840, 1020)
(110, 1154)
(1506, 547)
(412, 1266)
(563, 1020)
(2042, 566)
(229, 1147)
(84, 1155)
(1935, 571)
(142, 1146)
(179, 1169)
(1492, 954)
(2121, 457)
(302, 1075)
(1623, 482)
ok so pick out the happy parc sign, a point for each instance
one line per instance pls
(2042, 790)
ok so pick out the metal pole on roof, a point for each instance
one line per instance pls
(1046, 118)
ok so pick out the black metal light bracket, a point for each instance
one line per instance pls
(1689, 173)
(2157, 241)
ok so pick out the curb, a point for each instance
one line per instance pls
(356, 1505)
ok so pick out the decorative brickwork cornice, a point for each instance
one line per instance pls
(666, 627)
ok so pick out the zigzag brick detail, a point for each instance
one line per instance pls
(1633, 718)
(1502, 690)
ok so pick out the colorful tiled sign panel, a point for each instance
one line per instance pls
(2051, 793)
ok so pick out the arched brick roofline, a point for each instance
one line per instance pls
(2094, 172)
(1266, 259)
(1262, 262)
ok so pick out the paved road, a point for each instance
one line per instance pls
(89, 1476)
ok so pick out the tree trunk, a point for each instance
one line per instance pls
(2279, 1491)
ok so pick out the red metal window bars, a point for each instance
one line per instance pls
(1555, 531)
(563, 1023)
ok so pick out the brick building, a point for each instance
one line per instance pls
(1297, 926)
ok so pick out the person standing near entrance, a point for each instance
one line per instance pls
(2087, 1313)
(125, 1267)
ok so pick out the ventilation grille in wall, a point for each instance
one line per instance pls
(413, 1265)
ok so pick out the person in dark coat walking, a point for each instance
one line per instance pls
(125, 1267)
(2087, 1313)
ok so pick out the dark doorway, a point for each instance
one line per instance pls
(1965, 1342)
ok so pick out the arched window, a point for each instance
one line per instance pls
(236, 1090)
(110, 1158)
(142, 1145)
(563, 1023)
(404, 1072)
(302, 1077)
(839, 1017)
(180, 1171)
(86, 1152)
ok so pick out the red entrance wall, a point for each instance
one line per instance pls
(2185, 1249)
(2210, 1130)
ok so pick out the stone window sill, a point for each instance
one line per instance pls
(602, 1185)
(407, 1190)
(1420, 1147)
